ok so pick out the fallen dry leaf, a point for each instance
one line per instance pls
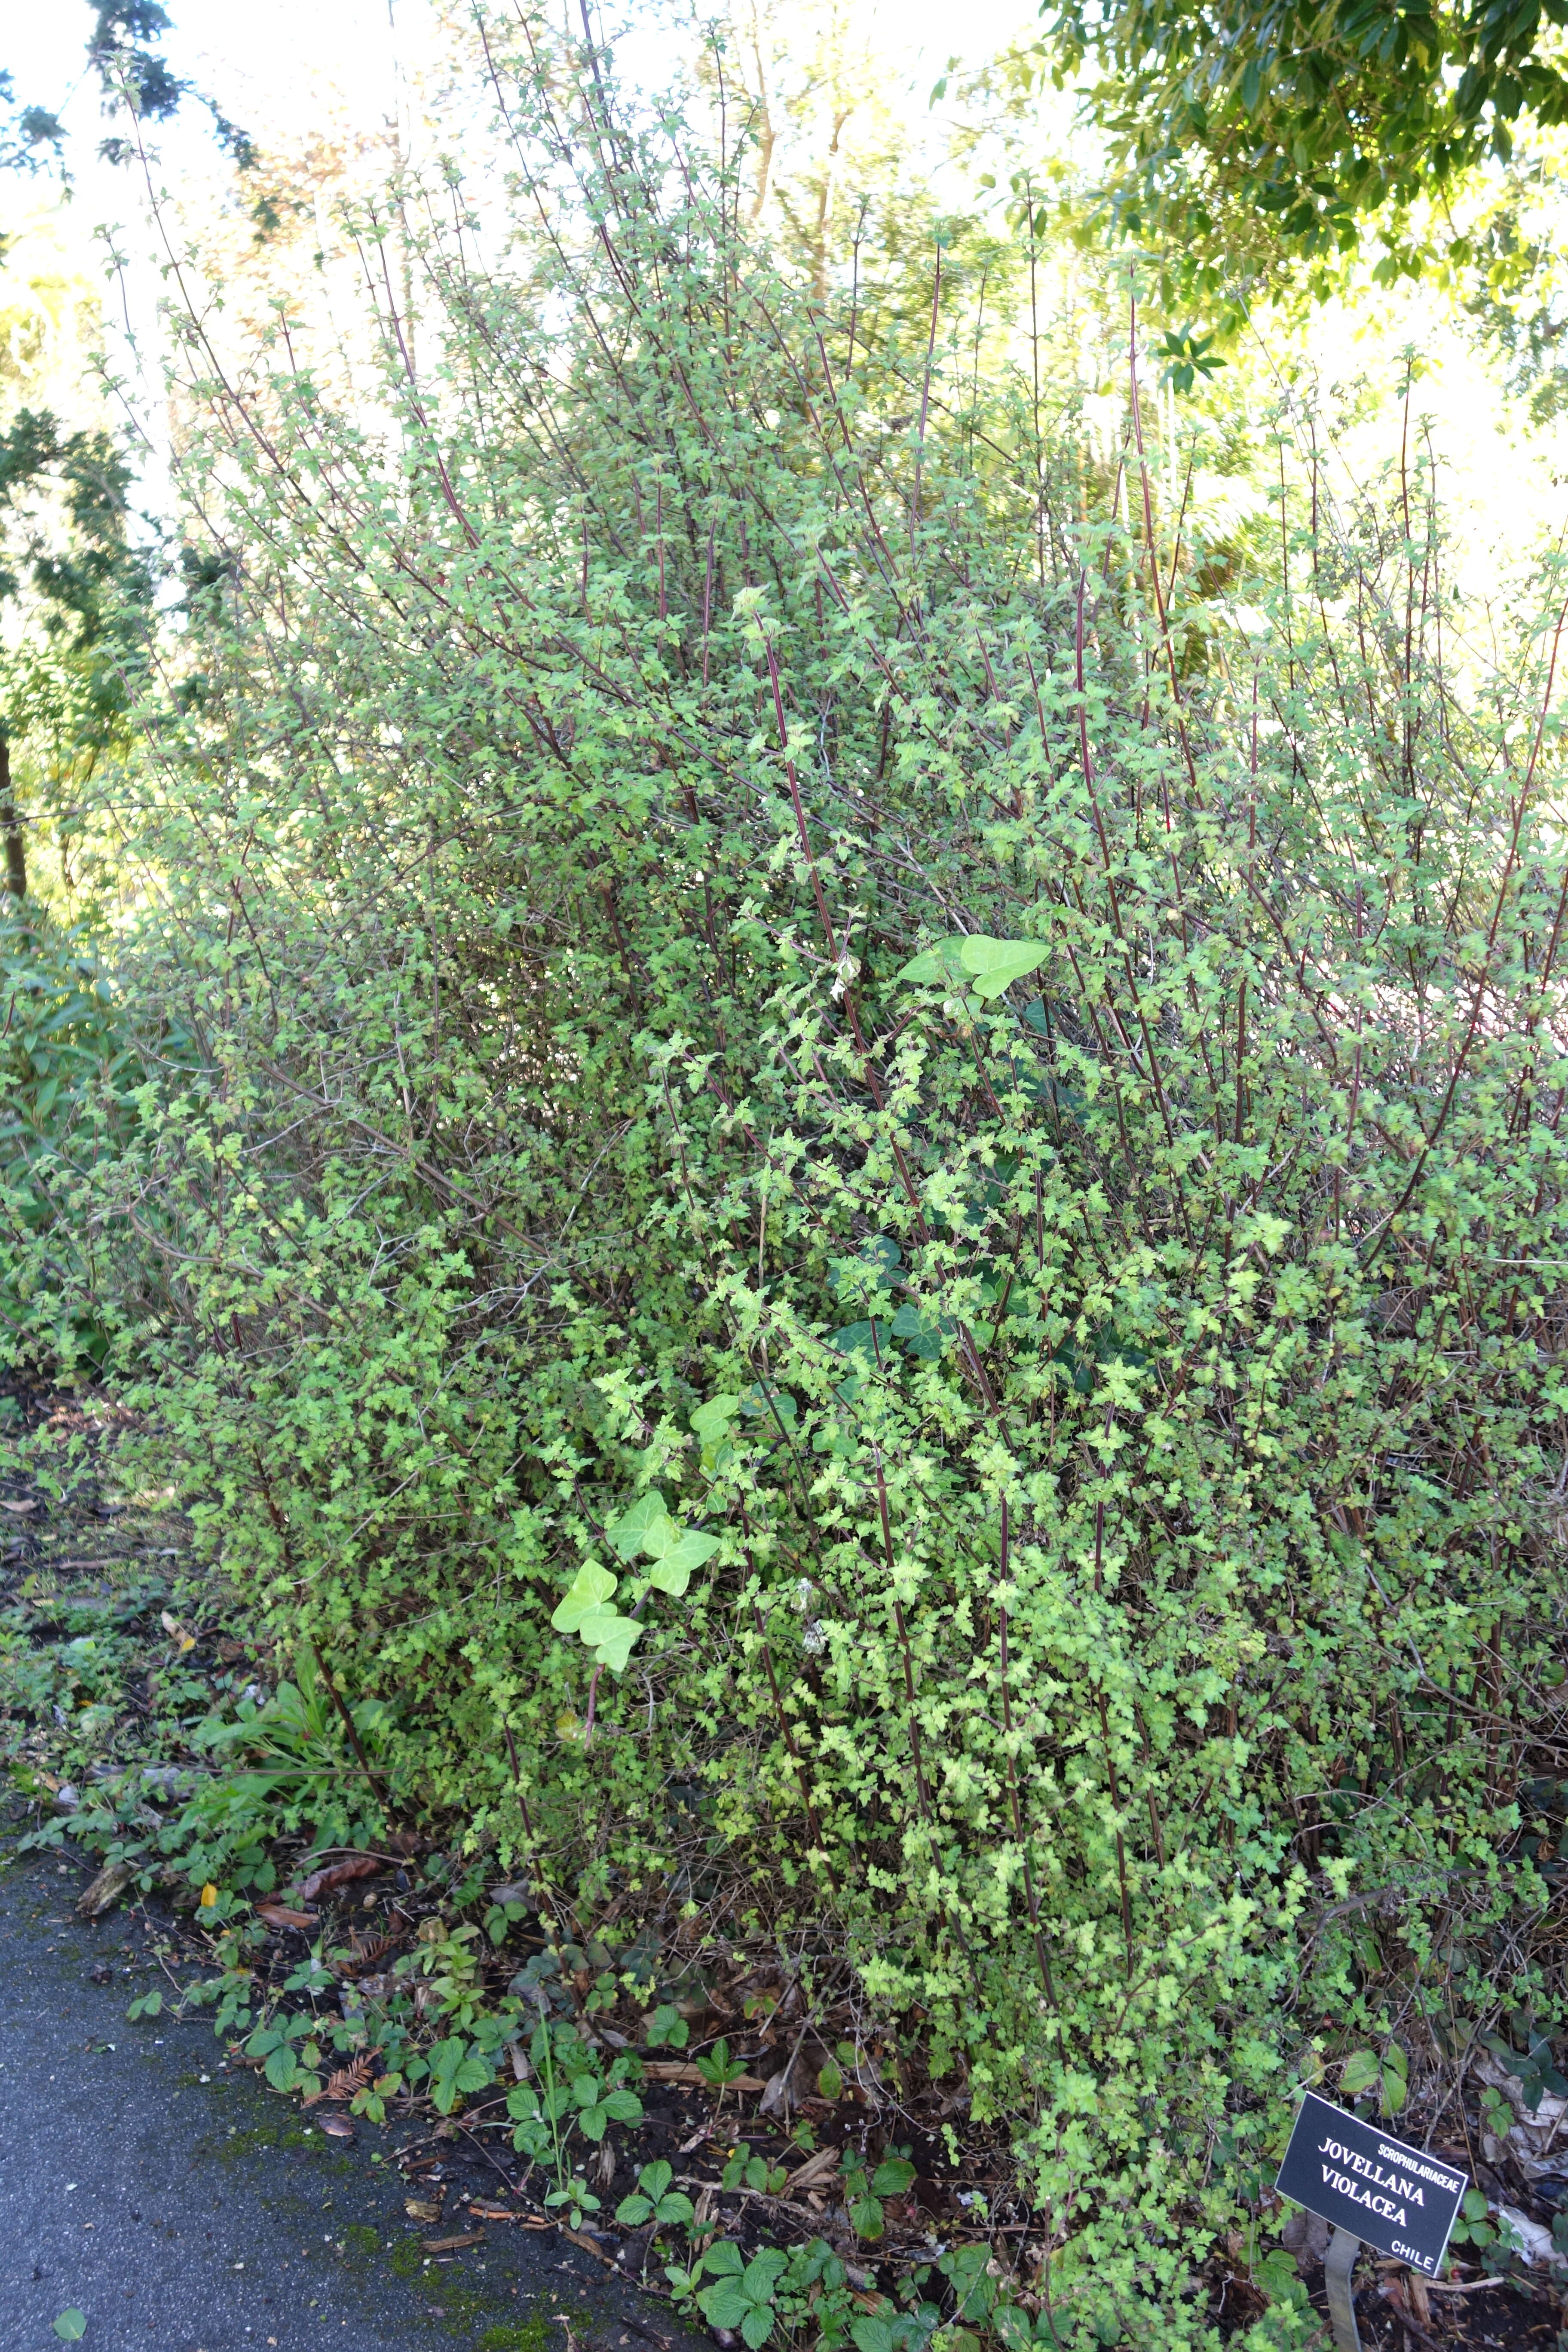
(105, 1890)
(420, 2208)
(278, 1915)
(815, 2167)
(666, 2070)
(337, 2127)
(337, 1873)
(20, 1510)
(588, 2245)
(345, 2080)
(451, 2245)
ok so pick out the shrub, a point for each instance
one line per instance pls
(766, 970)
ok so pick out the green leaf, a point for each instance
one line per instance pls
(866, 2217)
(873, 2333)
(866, 1341)
(677, 1553)
(628, 1533)
(631, 2211)
(723, 2258)
(892, 2176)
(994, 964)
(283, 2070)
(590, 1589)
(72, 2325)
(757, 2325)
(718, 2067)
(763, 2273)
(710, 1421)
(989, 965)
(1362, 2069)
(723, 2305)
(610, 1638)
(654, 2178)
(938, 967)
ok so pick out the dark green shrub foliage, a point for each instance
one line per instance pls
(1125, 1395)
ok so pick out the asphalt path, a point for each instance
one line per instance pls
(182, 2207)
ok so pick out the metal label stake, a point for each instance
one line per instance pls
(1338, 2264)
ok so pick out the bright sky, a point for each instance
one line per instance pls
(267, 61)
(279, 68)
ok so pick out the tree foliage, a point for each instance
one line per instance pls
(77, 593)
(1248, 135)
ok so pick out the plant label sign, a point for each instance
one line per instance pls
(1352, 2174)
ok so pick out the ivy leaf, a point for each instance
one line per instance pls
(995, 964)
(865, 1341)
(676, 1554)
(939, 967)
(589, 1589)
(628, 1534)
(610, 1638)
(924, 1335)
(710, 1421)
(988, 965)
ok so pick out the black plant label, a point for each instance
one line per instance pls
(1395, 2197)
